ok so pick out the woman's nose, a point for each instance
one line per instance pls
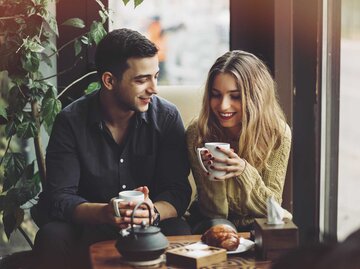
(225, 103)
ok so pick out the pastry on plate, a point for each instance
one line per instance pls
(221, 236)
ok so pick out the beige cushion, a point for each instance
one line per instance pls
(188, 100)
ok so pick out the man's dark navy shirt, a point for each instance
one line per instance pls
(85, 164)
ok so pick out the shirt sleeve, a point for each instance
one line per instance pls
(63, 170)
(172, 166)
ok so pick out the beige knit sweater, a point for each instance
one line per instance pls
(240, 199)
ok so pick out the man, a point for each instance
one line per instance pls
(121, 137)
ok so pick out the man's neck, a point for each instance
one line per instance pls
(114, 114)
(116, 118)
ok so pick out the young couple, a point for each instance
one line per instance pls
(124, 137)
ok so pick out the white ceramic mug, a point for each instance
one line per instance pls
(211, 147)
(127, 196)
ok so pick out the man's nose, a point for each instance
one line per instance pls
(153, 86)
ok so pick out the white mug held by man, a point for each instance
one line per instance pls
(125, 203)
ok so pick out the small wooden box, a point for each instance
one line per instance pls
(272, 241)
(195, 258)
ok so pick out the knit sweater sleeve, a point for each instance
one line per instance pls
(256, 188)
(211, 195)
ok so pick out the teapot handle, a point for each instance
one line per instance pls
(133, 213)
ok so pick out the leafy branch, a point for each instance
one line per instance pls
(27, 31)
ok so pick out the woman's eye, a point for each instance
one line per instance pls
(215, 95)
(235, 97)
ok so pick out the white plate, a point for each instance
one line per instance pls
(244, 245)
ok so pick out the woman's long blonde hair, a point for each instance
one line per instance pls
(263, 120)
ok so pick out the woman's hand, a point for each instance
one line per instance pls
(235, 166)
(207, 159)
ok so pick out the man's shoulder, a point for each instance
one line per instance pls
(80, 107)
(162, 106)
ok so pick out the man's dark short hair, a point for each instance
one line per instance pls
(117, 47)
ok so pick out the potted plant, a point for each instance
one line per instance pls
(29, 106)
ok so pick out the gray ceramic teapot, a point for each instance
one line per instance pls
(142, 243)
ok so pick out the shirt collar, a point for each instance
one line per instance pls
(95, 116)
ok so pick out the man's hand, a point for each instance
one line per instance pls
(141, 214)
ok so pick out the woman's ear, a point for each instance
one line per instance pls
(108, 80)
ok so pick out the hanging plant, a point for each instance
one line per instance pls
(27, 34)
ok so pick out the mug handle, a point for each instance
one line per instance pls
(198, 150)
(116, 206)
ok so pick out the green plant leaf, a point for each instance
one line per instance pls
(30, 62)
(50, 108)
(10, 129)
(125, 2)
(12, 221)
(74, 22)
(51, 24)
(93, 86)
(97, 31)
(33, 45)
(28, 171)
(14, 163)
(77, 47)
(3, 112)
(27, 129)
(46, 59)
(103, 16)
(137, 2)
(84, 40)
(51, 92)
(9, 181)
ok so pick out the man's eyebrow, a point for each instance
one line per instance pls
(145, 75)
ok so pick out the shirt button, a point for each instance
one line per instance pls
(121, 160)
(124, 187)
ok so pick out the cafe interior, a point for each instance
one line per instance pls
(301, 43)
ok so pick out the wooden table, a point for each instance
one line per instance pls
(104, 255)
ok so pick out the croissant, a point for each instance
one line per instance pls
(221, 236)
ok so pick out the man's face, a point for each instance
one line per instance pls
(138, 84)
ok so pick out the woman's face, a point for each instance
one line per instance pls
(225, 102)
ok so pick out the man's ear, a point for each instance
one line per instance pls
(108, 80)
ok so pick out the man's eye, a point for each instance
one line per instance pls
(140, 81)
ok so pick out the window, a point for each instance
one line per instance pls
(349, 131)
(190, 34)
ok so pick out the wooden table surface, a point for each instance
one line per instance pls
(104, 255)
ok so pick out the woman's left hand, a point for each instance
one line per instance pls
(235, 166)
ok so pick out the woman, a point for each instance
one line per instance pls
(239, 107)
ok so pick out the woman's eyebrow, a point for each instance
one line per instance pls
(231, 91)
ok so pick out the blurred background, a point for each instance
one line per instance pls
(189, 34)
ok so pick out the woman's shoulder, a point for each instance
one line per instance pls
(192, 129)
(285, 132)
